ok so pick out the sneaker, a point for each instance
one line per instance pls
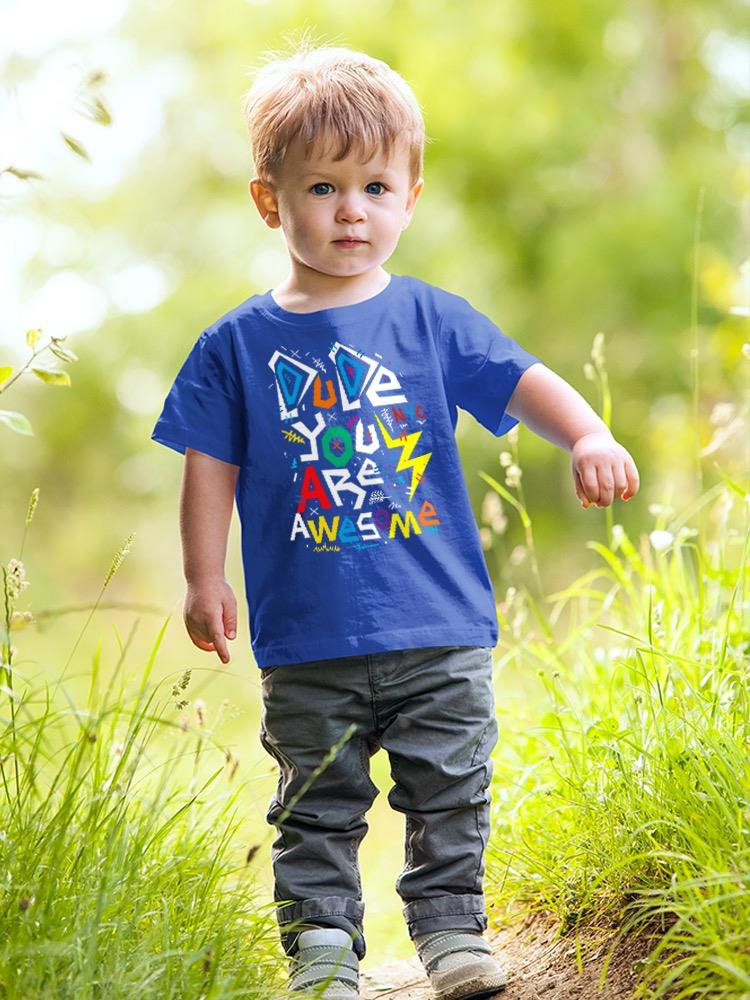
(325, 955)
(459, 965)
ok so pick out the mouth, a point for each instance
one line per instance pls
(349, 242)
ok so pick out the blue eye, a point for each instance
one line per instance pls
(325, 184)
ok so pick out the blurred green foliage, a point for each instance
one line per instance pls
(569, 148)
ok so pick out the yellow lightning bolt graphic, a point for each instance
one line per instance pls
(417, 464)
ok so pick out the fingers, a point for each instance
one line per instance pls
(633, 481)
(220, 644)
(600, 484)
(580, 491)
(606, 486)
(230, 619)
(589, 485)
(215, 641)
(210, 615)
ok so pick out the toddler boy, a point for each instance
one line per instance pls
(326, 408)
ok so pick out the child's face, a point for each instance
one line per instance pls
(320, 201)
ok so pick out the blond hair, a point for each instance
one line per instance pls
(331, 92)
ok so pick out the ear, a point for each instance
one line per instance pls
(411, 201)
(265, 202)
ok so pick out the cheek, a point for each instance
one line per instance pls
(310, 217)
(299, 223)
(392, 221)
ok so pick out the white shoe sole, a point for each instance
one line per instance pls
(474, 989)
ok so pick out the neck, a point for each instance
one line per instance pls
(308, 290)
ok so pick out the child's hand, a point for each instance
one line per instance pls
(602, 469)
(210, 614)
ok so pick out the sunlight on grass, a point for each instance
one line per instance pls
(117, 842)
(629, 797)
(621, 786)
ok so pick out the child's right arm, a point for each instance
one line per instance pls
(206, 502)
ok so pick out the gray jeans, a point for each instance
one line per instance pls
(433, 710)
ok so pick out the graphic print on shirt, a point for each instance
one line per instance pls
(356, 451)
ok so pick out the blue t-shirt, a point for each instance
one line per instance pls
(358, 535)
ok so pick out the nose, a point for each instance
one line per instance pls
(351, 208)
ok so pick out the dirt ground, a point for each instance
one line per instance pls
(539, 967)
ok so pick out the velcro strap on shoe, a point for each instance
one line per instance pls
(446, 944)
(325, 966)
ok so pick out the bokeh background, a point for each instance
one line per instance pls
(586, 173)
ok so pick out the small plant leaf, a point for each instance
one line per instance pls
(33, 337)
(97, 111)
(75, 146)
(731, 483)
(63, 353)
(16, 421)
(24, 175)
(52, 377)
(5, 373)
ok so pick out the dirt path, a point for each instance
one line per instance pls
(539, 967)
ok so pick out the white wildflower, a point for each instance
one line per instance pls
(723, 434)
(506, 459)
(16, 578)
(518, 555)
(722, 413)
(513, 476)
(486, 536)
(686, 532)
(618, 533)
(510, 594)
(492, 512)
(597, 350)
(490, 506)
(661, 539)
(659, 508)
(20, 619)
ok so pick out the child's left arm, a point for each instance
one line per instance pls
(602, 468)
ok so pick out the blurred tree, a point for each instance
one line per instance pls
(568, 148)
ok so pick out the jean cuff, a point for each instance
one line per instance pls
(322, 911)
(440, 913)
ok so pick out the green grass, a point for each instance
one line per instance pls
(622, 776)
(118, 844)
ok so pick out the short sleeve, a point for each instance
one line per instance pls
(204, 408)
(481, 364)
